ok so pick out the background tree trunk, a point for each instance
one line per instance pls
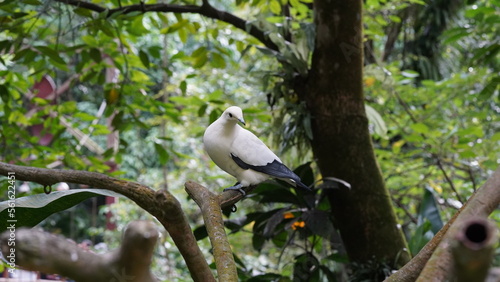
(342, 144)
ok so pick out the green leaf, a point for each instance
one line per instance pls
(163, 155)
(31, 210)
(272, 223)
(490, 88)
(306, 268)
(183, 87)
(429, 209)
(83, 12)
(419, 128)
(217, 61)
(275, 193)
(51, 53)
(319, 223)
(144, 58)
(275, 7)
(202, 110)
(421, 236)
(258, 242)
(306, 122)
(4, 93)
(200, 232)
(375, 118)
(95, 54)
(395, 19)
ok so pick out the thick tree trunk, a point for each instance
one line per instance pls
(342, 144)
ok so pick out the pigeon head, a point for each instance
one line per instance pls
(233, 114)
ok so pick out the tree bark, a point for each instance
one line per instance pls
(482, 203)
(40, 251)
(440, 266)
(342, 144)
(210, 207)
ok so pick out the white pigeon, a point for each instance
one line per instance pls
(242, 154)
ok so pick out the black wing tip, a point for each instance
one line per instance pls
(301, 185)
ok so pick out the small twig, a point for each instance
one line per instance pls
(450, 182)
(407, 212)
(472, 178)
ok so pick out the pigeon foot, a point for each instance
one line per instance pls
(238, 187)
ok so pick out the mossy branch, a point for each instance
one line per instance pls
(210, 206)
(434, 261)
(41, 251)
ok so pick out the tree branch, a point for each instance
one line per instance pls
(40, 251)
(473, 247)
(481, 204)
(205, 9)
(436, 254)
(212, 215)
(161, 204)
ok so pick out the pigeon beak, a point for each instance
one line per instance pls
(242, 121)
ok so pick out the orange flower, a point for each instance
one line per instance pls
(298, 224)
(369, 81)
(288, 215)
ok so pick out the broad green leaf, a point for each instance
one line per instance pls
(4, 93)
(275, 193)
(31, 210)
(319, 222)
(275, 7)
(217, 61)
(271, 224)
(490, 88)
(421, 236)
(200, 232)
(429, 210)
(144, 58)
(163, 155)
(374, 117)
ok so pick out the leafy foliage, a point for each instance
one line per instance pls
(28, 211)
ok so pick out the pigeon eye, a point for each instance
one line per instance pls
(230, 115)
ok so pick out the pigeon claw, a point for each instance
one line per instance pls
(238, 187)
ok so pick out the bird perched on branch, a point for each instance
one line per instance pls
(242, 154)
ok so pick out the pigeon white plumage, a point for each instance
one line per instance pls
(242, 154)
